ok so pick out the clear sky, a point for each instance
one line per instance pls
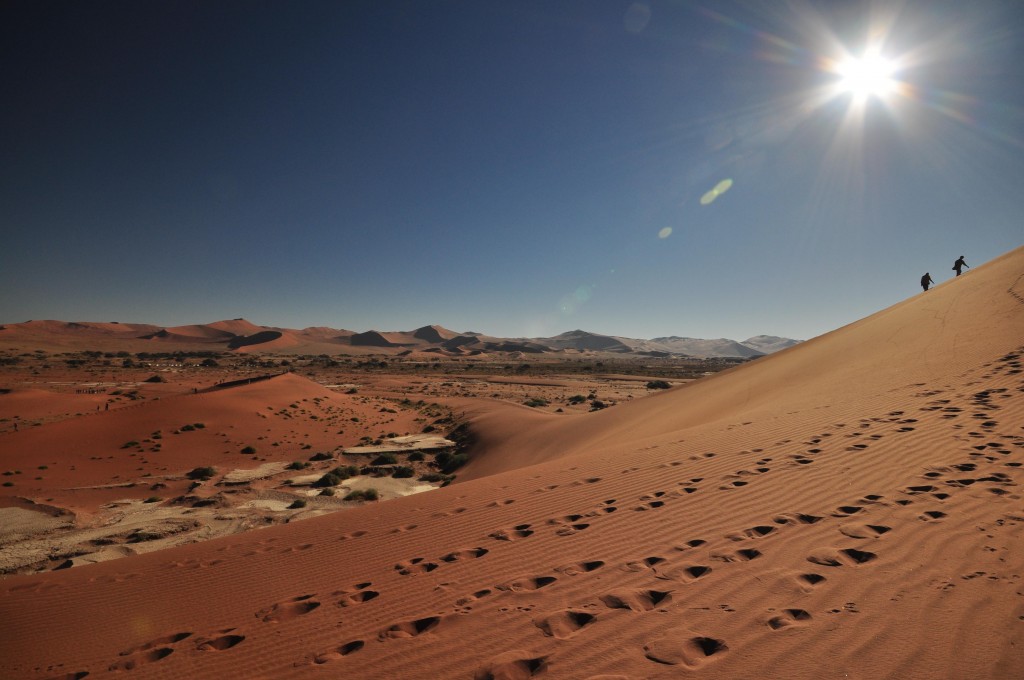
(516, 168)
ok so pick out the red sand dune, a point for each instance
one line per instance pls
(85, 456)
(848, 508)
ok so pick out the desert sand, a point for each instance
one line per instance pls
(846, 508)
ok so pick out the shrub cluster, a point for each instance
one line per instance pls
(384, 459)
(202, 473)
(449, 462)
(364, 495)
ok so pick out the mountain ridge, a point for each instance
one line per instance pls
(241, 335)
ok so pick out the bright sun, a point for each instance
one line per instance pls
(870, 75)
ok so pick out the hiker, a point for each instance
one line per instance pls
(960, 264)
(926, 280)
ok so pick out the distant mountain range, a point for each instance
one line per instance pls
(243, 336)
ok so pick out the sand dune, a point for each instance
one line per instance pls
(847, 508)
(244, 336)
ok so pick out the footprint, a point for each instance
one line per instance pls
(640, 565)
(518, 531)
(810, 580)
(804, 518)
(580, 567)
(838, 558)
(674, 650)
(744, 555)
(415, 565)
(142, 658)
(526, 584)
(288, 610)
(512, 665)
(467, 553)
(636, 600)
(219, 644)
(686, 574)
(753, 532)
(564, 625)
(462, 602)
(863, 530)
(160, 641)
(410, 629)
(343, 650)
(358, 597)
(789, 617)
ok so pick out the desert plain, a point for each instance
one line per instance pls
(849, 507)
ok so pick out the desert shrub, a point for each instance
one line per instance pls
(658, 385)
(327, 492)
(153, 499)
(8, 483)
(433, 477)
(345, 471)
(249, 449)
(384, 459)
(321, 456)
(199, 426)
(209, 363)
(296, 465)
(429, 428)
(577, 399)
(534, 402)
(296, 504)
(364, 495)
(449, 462)
(202, 473)
(188, 428)
(597, 405)
(352, 390)
(155, 379)
(403, 471)
(416, 456)
(330, 479)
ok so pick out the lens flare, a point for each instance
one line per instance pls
(720, 188)
(665, 232)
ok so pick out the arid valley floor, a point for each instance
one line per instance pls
(849, 507)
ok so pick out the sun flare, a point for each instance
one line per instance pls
(867, 76)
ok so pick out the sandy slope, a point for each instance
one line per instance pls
(848, 508)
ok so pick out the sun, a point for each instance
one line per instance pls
(867, 76)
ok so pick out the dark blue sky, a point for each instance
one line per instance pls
(512, 168)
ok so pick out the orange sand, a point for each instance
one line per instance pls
(847, 508)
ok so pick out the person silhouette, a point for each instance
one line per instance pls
(960, 264)
(926, 280)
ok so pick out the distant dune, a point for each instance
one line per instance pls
(847, 508)
(245, 336)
